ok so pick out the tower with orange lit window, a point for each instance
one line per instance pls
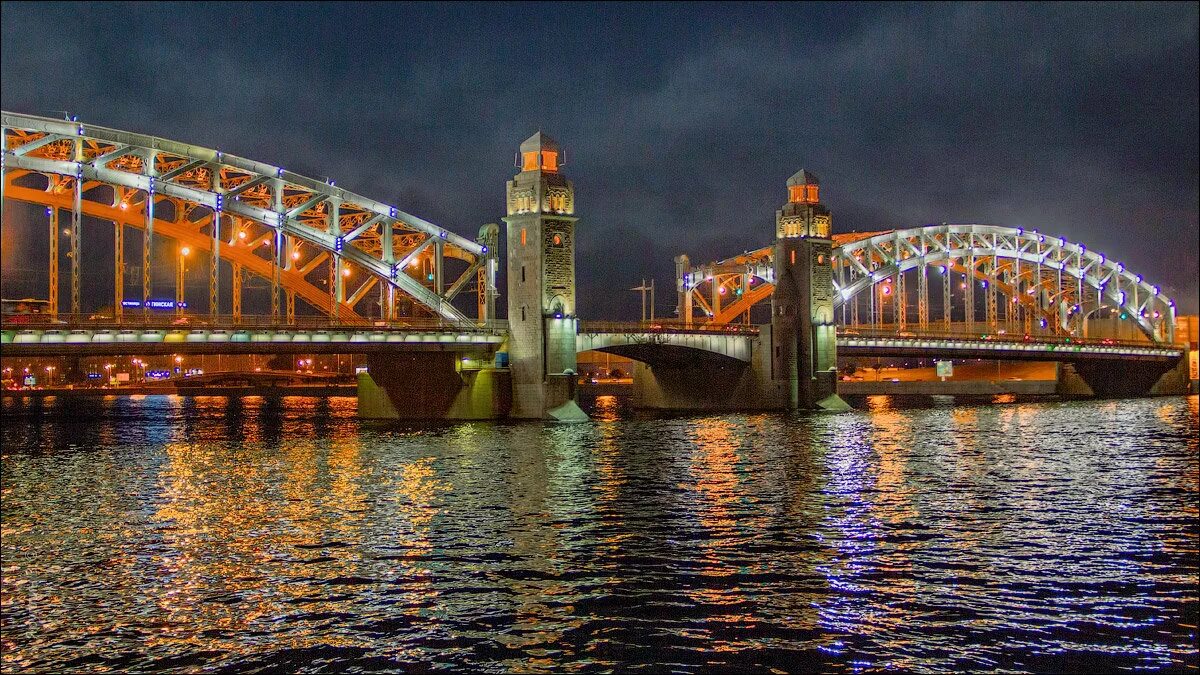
(803, 333)
(541, 284)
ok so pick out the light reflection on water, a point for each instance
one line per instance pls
(199, 533)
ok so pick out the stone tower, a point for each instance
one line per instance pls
(541, 285)
(803, 333)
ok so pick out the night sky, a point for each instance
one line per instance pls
(680, 122)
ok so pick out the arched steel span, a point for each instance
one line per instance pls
(1046, 276)
(253, 203)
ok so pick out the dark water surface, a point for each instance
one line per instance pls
(208, 534)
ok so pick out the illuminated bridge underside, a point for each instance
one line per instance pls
(1040, 277)
(258, 218)
(668, 348)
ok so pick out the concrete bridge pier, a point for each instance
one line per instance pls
(426, 385)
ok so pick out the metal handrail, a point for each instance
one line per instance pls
(133, 321)
(586, 327)
(1007, 338)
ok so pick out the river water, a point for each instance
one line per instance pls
(219, 534)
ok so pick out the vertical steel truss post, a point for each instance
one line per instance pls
(76, 215)
(337, 284)
(278, 253)
(900, 306)
(1015, 301)
(991, 295)
(923, 296)
(291, 307)
(179, 280)
(53, 297)
(1079, 299)
(876, 310)
(841, 280)
(687, 303)
(969, 294)
(236, 291)
(214, 266)
(947, 288)
(147, 247)
(118, 270)
(335, 270)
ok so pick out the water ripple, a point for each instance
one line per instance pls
(203, 533)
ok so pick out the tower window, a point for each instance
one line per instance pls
(522, 236)
(522, 276)
(522, 312)
(557, 240)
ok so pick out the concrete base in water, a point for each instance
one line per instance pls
(568, 412)
(718, 388)
(423, 385)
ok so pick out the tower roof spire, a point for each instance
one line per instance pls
(803, 177)
(539, 142)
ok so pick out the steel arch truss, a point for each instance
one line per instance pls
(305, 224)
(1058, 280)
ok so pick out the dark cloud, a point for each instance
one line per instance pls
(681, 122)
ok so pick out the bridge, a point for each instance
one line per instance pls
(341, 272)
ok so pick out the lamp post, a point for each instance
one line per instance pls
(643, 289)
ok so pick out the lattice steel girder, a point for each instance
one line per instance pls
(871, 257)
(1130, 293)
(196, 157)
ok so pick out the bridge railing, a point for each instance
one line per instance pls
(136, 320)
(978, 336)
(664, 327)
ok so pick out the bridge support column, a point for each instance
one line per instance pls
(541, 286)
(803, 330)
(433, 385)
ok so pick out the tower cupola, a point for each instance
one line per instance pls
(539, 152)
